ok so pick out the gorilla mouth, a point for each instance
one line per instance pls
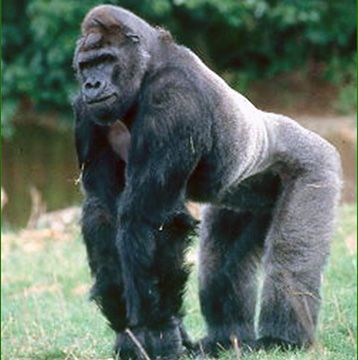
(104, 99)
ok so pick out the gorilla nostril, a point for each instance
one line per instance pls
(93, 85)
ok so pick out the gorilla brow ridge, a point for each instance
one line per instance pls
(93, 40)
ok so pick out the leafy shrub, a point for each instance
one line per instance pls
(252, 38)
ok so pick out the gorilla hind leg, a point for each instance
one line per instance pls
(296, 249)
(230, 249)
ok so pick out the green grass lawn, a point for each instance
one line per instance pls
(45, 313)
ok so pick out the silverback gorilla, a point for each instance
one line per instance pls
(154, 128)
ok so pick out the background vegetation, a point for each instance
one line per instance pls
(243, 40)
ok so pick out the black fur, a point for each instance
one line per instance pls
(271, 187)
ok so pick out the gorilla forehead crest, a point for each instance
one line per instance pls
(101, 16)
(99, 24)
(112, 23)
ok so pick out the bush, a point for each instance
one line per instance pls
(255, 38)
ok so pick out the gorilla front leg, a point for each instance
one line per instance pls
(99, 233)
(154, 277)
(153, 227)
(103, 181)
(153, 232)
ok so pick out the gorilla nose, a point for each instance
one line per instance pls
(92, 89)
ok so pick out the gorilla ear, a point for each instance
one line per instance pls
(133, 37)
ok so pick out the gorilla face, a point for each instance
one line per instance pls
(110, 63)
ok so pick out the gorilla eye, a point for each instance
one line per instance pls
(101, 59)
(133, 37)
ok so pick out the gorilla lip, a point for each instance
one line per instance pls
(103, 99)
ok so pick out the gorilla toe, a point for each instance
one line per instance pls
(143, 344)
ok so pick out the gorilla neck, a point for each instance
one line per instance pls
(130, 115)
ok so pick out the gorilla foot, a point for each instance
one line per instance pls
(165, 343)
(213, 347)
(269, 343)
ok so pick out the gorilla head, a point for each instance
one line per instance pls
(110, 61)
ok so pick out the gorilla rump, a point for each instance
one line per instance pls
(154, 128)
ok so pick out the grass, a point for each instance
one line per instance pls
(45, 313)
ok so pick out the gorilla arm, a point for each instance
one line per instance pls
(103, 181)
(161, 160)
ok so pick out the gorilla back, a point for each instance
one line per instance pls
(270, 189)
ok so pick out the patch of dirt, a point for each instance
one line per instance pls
(296, 93)
(34, 240)
(39, 289)
(81, 289)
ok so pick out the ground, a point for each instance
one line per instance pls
(46, 314)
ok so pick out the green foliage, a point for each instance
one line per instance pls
(255, 38)
(343, 73)
(347, 98)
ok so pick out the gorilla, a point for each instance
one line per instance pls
(154, 128)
